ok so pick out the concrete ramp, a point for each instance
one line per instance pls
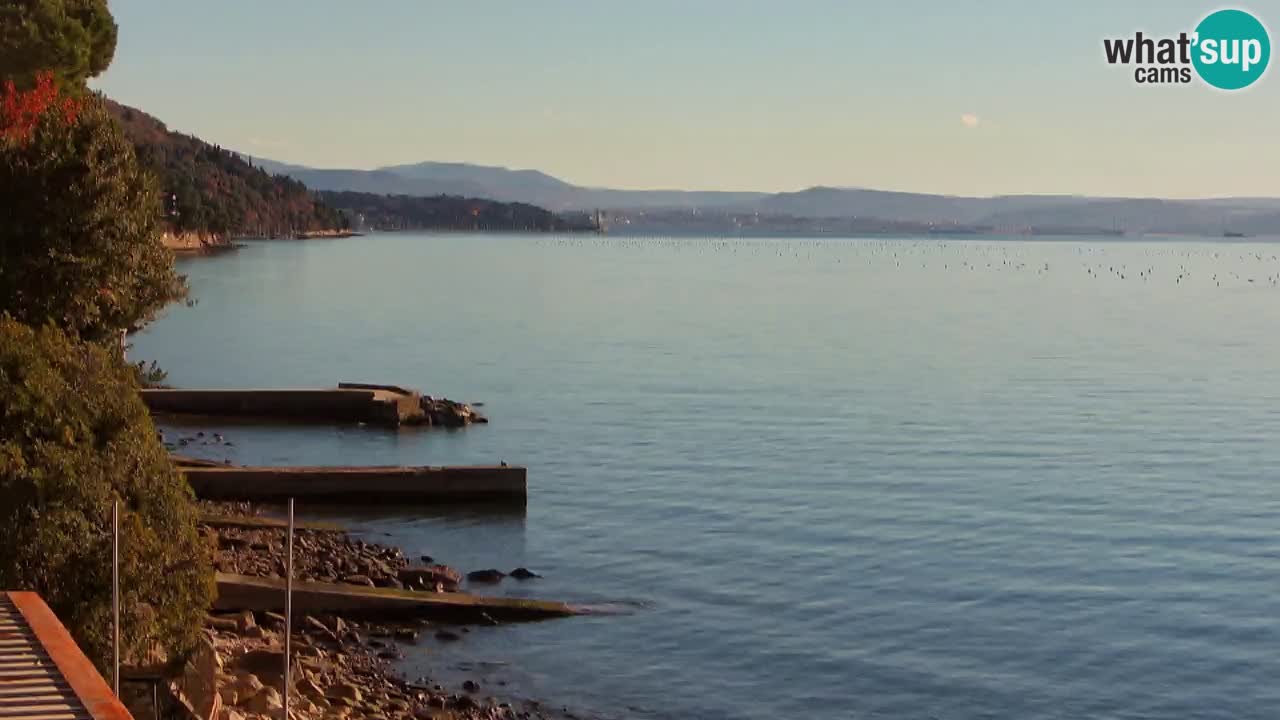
(347, 403)
(243, 592)
(366, 485)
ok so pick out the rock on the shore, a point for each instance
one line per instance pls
(486, 576)
(447, 413)
(267, 665)
(312, 624)
(247, 685)
(347, 692)
(224, 624)
(431, 577)
(322, 555)
(267, 701)
(308, 688)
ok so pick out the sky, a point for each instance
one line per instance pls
(946, 96)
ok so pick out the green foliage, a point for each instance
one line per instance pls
(150, 375)
(80, 229)
(75, 39)
(74, 436)
(216, 190)
(447, 212)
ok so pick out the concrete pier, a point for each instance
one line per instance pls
(243, 592)
(348, 403)
(366, 485)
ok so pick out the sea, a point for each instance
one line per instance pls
(937, 478)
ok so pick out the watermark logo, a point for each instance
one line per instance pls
(1234, 49)
(1228, 50)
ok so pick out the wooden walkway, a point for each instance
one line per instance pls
(43, 674)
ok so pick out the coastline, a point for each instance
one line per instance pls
(345, 663)
(314, 234)
(191, 242)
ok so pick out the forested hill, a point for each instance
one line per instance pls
(209, 189)
(449, 212)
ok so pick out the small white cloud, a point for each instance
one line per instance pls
(969, 120)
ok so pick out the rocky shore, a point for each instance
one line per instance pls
(311, 234)
(340, 669)
(342, 665)
(443, 412)
(191, 242)
(196, 243)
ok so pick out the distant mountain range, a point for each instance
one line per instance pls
(212, 191)
(499, 183)
(1008, 213)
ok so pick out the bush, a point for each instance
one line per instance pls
(74, 435)
(79, 226)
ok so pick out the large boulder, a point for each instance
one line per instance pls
(430, 577)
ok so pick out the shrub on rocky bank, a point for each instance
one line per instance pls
(74, 436)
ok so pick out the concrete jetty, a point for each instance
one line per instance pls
(244, 592)
(188, 461)
(368, 485)
(348, 403)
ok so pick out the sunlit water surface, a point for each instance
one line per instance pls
(880, 478)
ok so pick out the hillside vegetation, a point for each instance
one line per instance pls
(209, 189)
(813, 209)
(447, 212)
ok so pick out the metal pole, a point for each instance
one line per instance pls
(115, 596)
(288, 609)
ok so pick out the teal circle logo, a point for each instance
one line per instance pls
(1232, 49)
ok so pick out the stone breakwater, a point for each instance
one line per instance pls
(342, 666)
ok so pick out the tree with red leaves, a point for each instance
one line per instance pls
(80, 261)
(22, 110)
(79, 227)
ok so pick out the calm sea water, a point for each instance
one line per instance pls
(910, 478)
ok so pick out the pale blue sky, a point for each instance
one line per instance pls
(699, 94)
